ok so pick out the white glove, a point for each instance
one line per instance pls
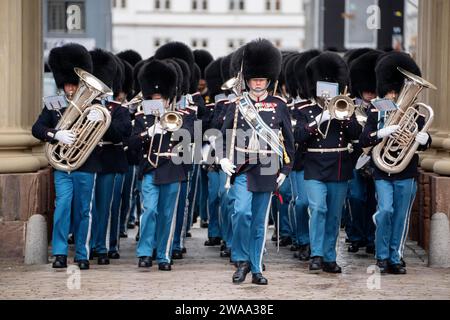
(155, 129)
(95, 116)
(280, 180)
(422, 138)
(212, 141)
(227, 166)
(386, 132)
(325, 117)
(65, 136)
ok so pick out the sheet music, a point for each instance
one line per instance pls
(151, 107)
(55, 102)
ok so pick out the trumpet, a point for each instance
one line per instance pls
(340, 107)
(170, 121)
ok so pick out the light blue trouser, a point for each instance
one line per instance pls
(326, 200)
(250, 219)
(103, 202)
(286, 223)
(395, 200)
(182, 211)
(77, 188)
(157, 222)
(359, 225)
(213, 205)
(129, 198)
(116, 208)
(202, 199)
(301, 207)
(226, 210)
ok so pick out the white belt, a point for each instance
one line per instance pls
(255, 151)
(166, 154)
(328, 150)
(108, 143)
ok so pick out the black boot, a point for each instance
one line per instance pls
(225, 253)
(396, 269)
(331, 267)
(83, 264)
(145, 262)
(382, 265)
(241, 272)
(353, 247)
(71, 239)
(211, 242)
(103, 259)
(285, 241)
(60, 262)
(315, 266)
(183, 251)
(203, 224)
(304, 252)
(114, 255)
(258, 278)
(123, 234)
(177, 255)
(164, 266)
(370, 249)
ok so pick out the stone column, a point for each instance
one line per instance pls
(433, 53)
(21, 83)
(25, 190)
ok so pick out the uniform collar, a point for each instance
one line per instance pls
(262, 98)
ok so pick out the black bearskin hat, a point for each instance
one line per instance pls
(236, 62)
(105, 66)
(120, 77)
(362, 73)
(284, 58)
(179, 72)
(186, 73)
(127, 87)
(351, 55)
(225, 67)
(328, 66)
(195, 79)
(213, 77)
(202, 58)
(176, 50)
(300, 71)
(64, 59)
(130, 56)
(261, 60)
(157, 77)
(290, 79)
(136, 69)
(388, 77)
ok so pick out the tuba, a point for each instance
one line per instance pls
(88, 134)
(393, 154)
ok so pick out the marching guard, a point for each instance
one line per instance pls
(254, 180)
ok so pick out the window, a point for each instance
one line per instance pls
(199, 43)
(194, 43)
(114, 3)
(194, 5)
(205, 5)
(157, 43)
(273, 5)
(66, 16)
(167, 4)
(237, 5)
(278, 43)
(124, 3)
(157, 4)
(198, 5)
(205, 43)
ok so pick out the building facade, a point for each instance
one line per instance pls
(87, 22)
(220, 26)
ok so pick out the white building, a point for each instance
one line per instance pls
(220, 26)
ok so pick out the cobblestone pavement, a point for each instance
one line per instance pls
(204, 275)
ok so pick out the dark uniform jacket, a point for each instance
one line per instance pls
(300, 148)
(369, 138)
(112, 156)
(326, 166)
(166, 171)
(274, 112)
